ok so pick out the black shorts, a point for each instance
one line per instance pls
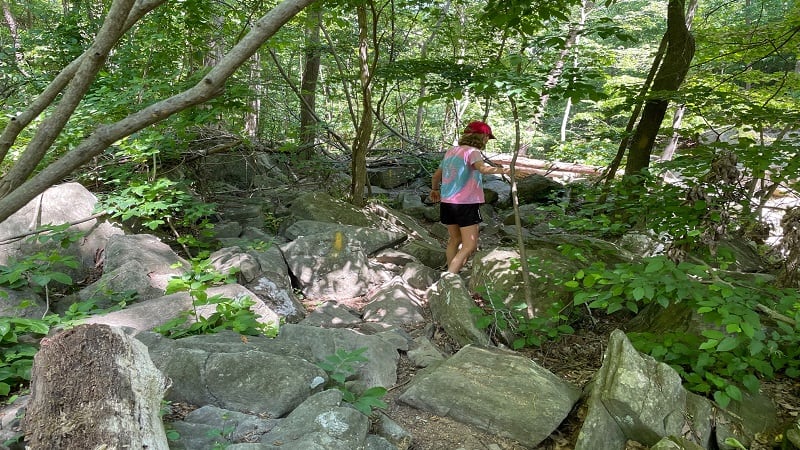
(461, 215)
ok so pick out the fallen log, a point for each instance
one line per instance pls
(94, 387)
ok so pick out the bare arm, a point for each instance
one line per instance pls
(436, 183)
(486, 169)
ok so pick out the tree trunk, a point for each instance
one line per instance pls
(521, 247)
(308, 85)
(677, 119)
(575, 63)
(14, 195)
(423, 54)
(364, 127)
(95, 387)
(678, 57)
(11, 23)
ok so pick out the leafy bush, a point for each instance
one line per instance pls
(16, 358)
(162, 204)
(342, 365)
(229, 314)
(737, 348)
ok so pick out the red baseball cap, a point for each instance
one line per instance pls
(480, 128)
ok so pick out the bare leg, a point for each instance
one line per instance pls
(469, 243)
(453, 242)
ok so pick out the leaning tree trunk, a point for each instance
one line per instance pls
(94, 387)
(17, 190)
(673, 70)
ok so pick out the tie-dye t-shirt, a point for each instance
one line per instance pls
(461, 183)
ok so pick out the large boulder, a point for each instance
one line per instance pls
(332, 261)
(496, 391)
(635, 397)
(451, 305)
(265, 273)
(59, 205)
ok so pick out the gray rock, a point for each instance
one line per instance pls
(209, 425)
(754, 415)
(428, 253)
(320, 422)
(61, 204)
(537, 188)
(227, 230)
(395, 435)
(419, 276)
(132, 276)
(392, 177)
(236, 260)
(331, 315)
(147, 315)
(675, 443)
(242, 381)
(424, 353)
(635, 397)
(149, 252)
(380, 369)
(450, 305)
(370, 240)
(328, 267)
(497, 391)
(411, 204)
(393, 303)
(23, 302)
(322, 207)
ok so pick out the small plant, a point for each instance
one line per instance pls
(229, 314)
(162, 203)
(527, 332)
(342, 365)
(222, 438)
(16, 357)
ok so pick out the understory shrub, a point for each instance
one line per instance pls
(229, 313)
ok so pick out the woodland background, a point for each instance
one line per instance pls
(119, 95)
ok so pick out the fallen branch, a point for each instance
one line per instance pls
(16, 238)
(775, 315)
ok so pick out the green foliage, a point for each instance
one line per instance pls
(222, 437)
(737, 348)
(16, 358)
(229, 314)
(342, 365)
(160, 204)
(39, 270)
(527, 331)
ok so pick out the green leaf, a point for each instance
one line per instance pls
(751, 383)
(722, 399)
(654, 265)
(709, 344)
(733, 392)
(728, 344)
(713, 334)
(755, 347)
(61, 278)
